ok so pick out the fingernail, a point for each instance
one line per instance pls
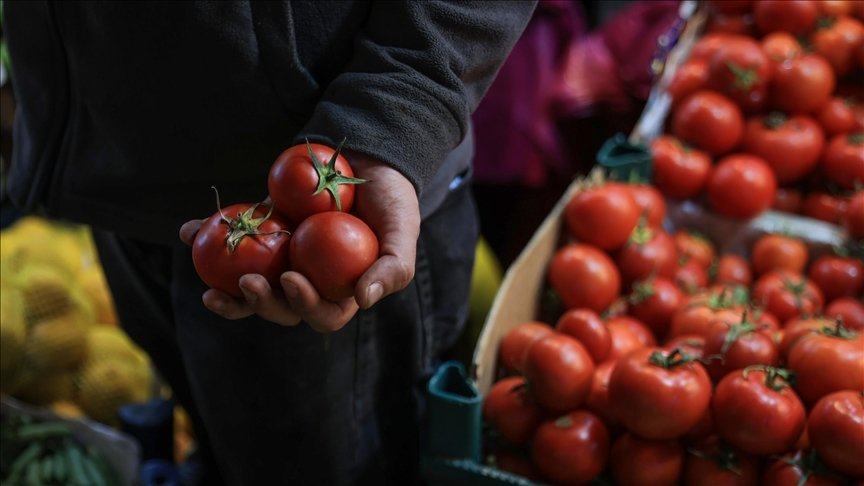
(250, 296)
(291, 291)
(374, 293)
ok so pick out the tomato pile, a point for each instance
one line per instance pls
(306, 225)
(672, 361)
(767, 112)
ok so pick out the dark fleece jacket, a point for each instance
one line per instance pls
(130, 111)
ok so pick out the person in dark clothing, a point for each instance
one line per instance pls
(128, 112)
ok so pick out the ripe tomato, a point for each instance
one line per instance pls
(781, 46)
(775, 251)
(787, 294)
(843, 160)
(741, 70)
(788, 200)
(584, 276)
(333, 249)
(827, 361)
(824, 207)
(793, 16)
(301, 183)
(836, 39)
(586, 326)
(690, 277)
(651, 204)
(240, 239)
(850, 309)
(837, 276)
(635, 460)
(679, 172)
(837, 116)
(836, 430)
(636, 327)
(735, 345)
(603, 216)
(732, 269)
(798, 468)
(706, 45)
(692, 344)
(514, 343)
(741, 186)
(510, 410)
(798, 327)
(559, 372)
(710, 121)
(834, 8)
(731, 24)
(598, 398)
(653, 302)
(625, 338)
(698, 315)
(790, 145)
(648, 252)
(853, 217)
(658, 394)
(691, 245)
(572, 449)
(690, 77)
(711, 462)
(756, 411)
(802, 85)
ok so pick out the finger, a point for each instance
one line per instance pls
(266, 302)
(226, 306)
(321, 315)
(389, 274)
(189, 230)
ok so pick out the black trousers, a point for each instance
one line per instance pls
(275, 405)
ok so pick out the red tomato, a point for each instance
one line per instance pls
(850, 309)
(691, 245)
(710, 462)
(787, 294)
(837, 39)
(741, 70)
(678, 172)
(756, 411)
(802, 85)
(824, 207)
(834, 8)
(741, 186)
(598, 398)
(853, 217)
(781, 46)
(586, 326)
(793, 16)
(710, 121)
(651, 204)
(514, 343)
(697, 316)
(240, 239)
(788, 200)
(649, 252)
(798, 469)
(843, 160)
(635, 326)
(837, 116)
(634, 460)
(603, 216)
(690, 277)
(836, 430)
(692, 344)
(559, 372)
(333, 249)
(796, 328)
(509, 409)
(654, 301)
(731, 24)
(311, 178)
(706, 45)
(572, 449)
(658, 394)
(827, 361)
(775, 251)
(732, 270)
(584, 276)
(837, 276)
(736, 345)
(690, 77)
(790, 145)
(625, 338)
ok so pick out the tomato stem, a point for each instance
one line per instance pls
(329, 178)
(671, 359)
(772, 374)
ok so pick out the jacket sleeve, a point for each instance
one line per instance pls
(418, 70)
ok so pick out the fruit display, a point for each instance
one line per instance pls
(703, 333)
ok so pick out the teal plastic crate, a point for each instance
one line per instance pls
(624, 160)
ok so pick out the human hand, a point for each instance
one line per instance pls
(388, 204)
